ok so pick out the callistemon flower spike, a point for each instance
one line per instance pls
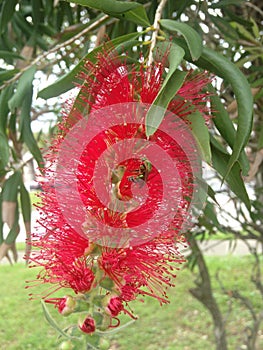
(115, 203)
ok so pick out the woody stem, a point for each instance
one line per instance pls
(156, 27)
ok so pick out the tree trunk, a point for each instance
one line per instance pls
(203, 293)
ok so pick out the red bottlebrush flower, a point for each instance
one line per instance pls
(116, 201)
(114, 306)
(88, 325)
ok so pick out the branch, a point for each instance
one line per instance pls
(55, 49)
(156, 27)
(256, 8)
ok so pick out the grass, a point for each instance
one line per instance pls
(184, 324)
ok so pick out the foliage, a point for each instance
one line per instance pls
(46, 38)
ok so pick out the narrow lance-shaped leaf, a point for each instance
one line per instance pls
(260, 139)
(224, 68)
(233, 178)
(25, 126)
(9, 205)
(25, 203)
(225, 126)
(7, 74)
(205, 187)
(10, 216)
(7, 54)
(11, 187)
(26, 213)
(210, 214)
(244, 99)
(36, 11)
(53, 323)
(8, 8)
(224, 27)
(211, 193)
(25, 82)
(155, 115)
(201, 134)
(175, 54)
(5, 95)
(223, 3)
(191, 37)
(170, 86)
(132, 11)
(4, 147)
(28, 28)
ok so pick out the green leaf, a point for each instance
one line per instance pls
(170, 86)
(210, 214)
(25, 82)
(175, 54)
(25, 203)
(228, 71)
(7, 74)
(255, 28)
(168, 90)
(212, 194)
(225, 126)
(245, 33)
(224, 3)
(192, 38)
(36, 11)
(224, 68)
(25, 126)
(220, 161)
(224, 27)
(4, 110)
(8, 8)
(7, 54)
(27, 28)
(11, 187)
(131, 11)
(4, 147)
(137, 16)
(65, 83)
(201, 134)
(260, 139)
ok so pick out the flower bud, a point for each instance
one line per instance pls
(66, 345)
(87, 325)
(67, 305)
(104, 344)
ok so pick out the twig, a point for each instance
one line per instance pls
(156, 27)
(251, 332)
(55, 49)
(256, 8)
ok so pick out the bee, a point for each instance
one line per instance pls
(143, 172)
